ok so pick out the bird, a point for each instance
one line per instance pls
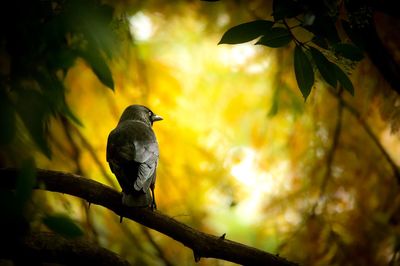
(132, 154)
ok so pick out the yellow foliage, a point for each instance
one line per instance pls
(226, 166)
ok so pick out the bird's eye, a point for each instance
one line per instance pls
(150, 114)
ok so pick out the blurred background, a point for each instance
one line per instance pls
(242, 153)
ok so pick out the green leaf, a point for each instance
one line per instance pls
(349, 51)
(303, 71)
(93, 22)
(52, 88)
(26, 180)
(62, 225)
(276, 37)
(324, 67)
(246, 32)
(99, 66)
(343, 79)
(61, 58)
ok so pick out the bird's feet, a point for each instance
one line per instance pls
(153, 206)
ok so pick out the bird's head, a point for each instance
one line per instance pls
(140, 113)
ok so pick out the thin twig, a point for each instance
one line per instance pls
(94, 156)
(331, 153)
(371, 134)
(159, 250)
(76, 155)
(291, 33)
(75, 149)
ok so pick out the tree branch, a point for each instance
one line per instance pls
(202, 244)
(52, 248)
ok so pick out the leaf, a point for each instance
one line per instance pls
(99, 66)
(92, 21)
(349, 51)
(246, 32)
(61, 58)
(356, 36)
(321, 42)
(52, 88)
(285, 9)
(276, 37)
(324, 27)
(69, 114)
(343, 79)
(25, 182)
(34, 111)
(62, 225)
(303, 71)
(324, 67)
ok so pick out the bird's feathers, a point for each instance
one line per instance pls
(132, 152)
(136, 199)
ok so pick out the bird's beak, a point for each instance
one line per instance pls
(155, 118)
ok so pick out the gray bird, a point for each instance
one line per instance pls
(132, 153)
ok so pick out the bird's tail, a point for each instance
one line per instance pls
(138, 199)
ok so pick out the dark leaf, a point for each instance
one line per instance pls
(34, 111)
(355, 36)
(99, 66)
(25, 182)
(53, 90)
(276, 37)
(104, 13)
(324, 67)
(285, 9)
(246, 32)
(69, 114)
(303, 71)
(321, 42)
(92, 21)
(324, 27)
(343, 79)
(349, 51)
(62, 225)
(61, 58)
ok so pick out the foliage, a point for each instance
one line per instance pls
(63, 225)
(39, 45)
(241, 152)
(319, 20)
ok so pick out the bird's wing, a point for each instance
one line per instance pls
(145, 174)
(134, 142)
